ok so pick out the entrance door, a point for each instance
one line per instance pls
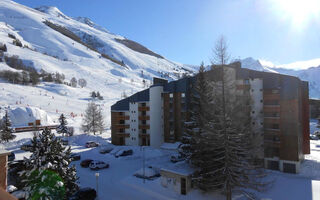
(183, 186)
(144, 141)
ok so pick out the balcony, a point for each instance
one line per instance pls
(123, 117)
(123, 134)
(144, 108)
(146, 135)
(144, 126)
(122, 126)
(144, 117)
(271, 108)
(267, 97)
(243, 87)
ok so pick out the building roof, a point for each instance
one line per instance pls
(4, 152)
(137, 97)
(181, 168)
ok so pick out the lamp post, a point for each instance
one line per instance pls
(97, 176)
(144, 175)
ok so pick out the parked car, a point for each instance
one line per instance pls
(65, 142)
(84, 194)
(96, 164)
(176, 158)
(11, 156)
(124, 153)
(75, 156)
(85, 163)
(26, 147)
(105, 150)
(91, 144)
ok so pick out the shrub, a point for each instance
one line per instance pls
(17, 42)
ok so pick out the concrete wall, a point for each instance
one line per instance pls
(156, 116)
(134, 122)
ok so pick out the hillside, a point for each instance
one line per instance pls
(75, 47)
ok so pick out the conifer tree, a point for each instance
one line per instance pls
(62, 128)
(223, 145)
(48, 153)
(93, 120)
(6, 132)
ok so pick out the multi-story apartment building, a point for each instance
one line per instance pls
(279, 109)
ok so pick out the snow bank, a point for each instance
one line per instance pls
(148, 173)
(21, 116)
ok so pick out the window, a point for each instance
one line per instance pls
(144, 131)
(144, 122)
(253, 112)
(261, 101)
(171, 95)
(252, 90)
(121, 130)
(183, 95)
(253, 123)
(143, 104)
(275, 91)
(121, 121)
(246, 81)
(143, 113)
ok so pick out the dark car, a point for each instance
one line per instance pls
(90, 144)
(11, 156)
(176, 158)
(124, 153)
(84, 194)
(65, 142)
(75, 156)
(105, 150)
(85, 163)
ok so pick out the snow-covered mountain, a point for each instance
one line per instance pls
(305, 70)
(76, 47)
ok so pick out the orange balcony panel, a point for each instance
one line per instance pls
(144, 135)
(144, 108)
(267, 97)
(270, 108)
(123, 134)
(146, 117)
(122, 126)
(144, 126)
(243, 87)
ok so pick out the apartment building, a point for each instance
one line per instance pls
(280, 109)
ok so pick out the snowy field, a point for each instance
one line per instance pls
(118, 182)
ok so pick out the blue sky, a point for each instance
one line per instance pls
(185, 31)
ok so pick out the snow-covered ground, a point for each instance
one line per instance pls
(118, 182)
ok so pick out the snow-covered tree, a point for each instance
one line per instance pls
(93, 120)
(48, 153)
(62, 128)
(73, 82)
(82, 82)
(199, 100)
(6, 132)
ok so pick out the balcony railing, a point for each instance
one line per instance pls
(123, 126)
(144, 108)
(144, 117)
(144, 126)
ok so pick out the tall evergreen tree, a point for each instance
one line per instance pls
(223, 144)
(62, 128)
(6, 132)
(48, 153)
(93, 120)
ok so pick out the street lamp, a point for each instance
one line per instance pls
(97, 176)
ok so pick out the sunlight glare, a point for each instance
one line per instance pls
(299, 12)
